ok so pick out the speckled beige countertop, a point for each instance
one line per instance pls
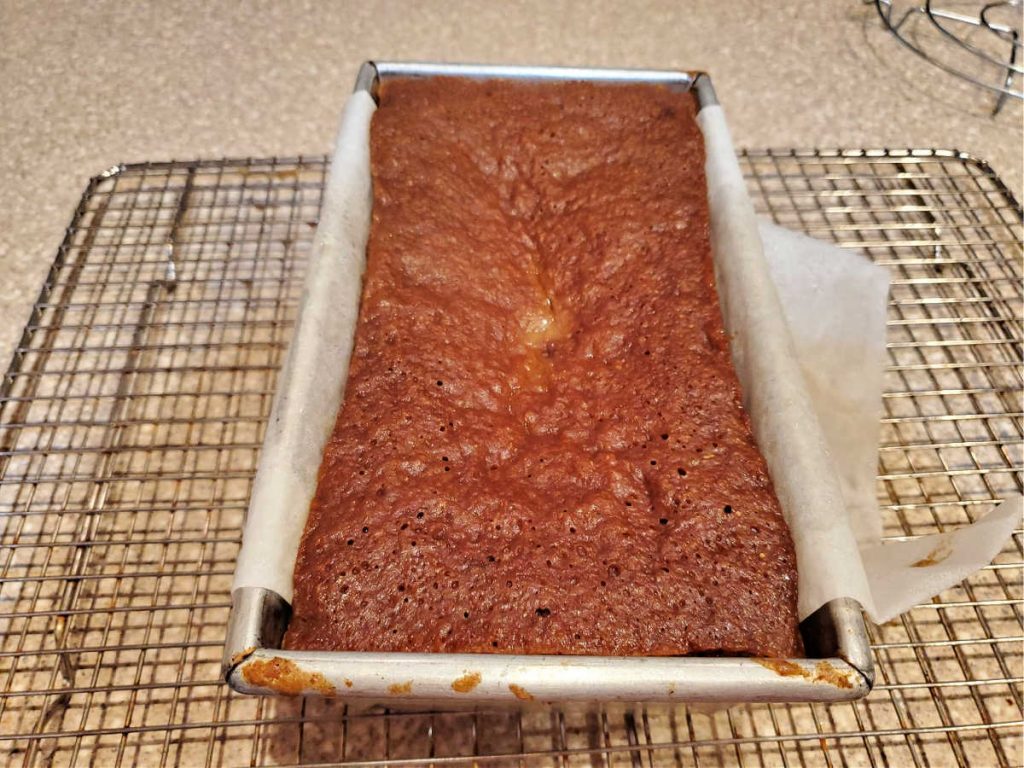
(84, 85)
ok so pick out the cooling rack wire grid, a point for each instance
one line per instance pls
(978, 41)
(131, 420)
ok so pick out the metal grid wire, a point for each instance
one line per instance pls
(132, 415)
(976, 40)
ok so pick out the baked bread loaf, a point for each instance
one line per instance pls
(542, 446)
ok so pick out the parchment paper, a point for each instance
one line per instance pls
(312, 381)
(834, 301)
(775, 394)
(807, 325)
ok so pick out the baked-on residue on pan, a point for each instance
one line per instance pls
(542, 447)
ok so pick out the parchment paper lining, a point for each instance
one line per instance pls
(312, 381)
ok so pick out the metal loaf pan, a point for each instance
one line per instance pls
(839, 666)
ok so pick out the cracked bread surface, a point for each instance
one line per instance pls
(542, 446)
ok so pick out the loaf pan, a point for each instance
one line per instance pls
(838, 666)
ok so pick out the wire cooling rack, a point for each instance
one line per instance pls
(976, 40)
(132, 415)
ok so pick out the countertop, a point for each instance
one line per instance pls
(85, 85)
